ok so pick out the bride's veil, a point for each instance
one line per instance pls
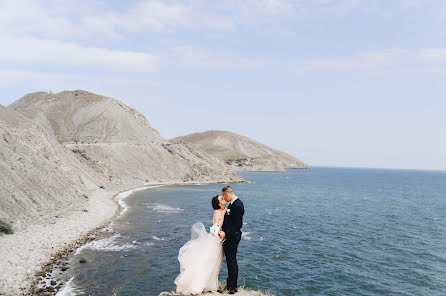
(198, 230)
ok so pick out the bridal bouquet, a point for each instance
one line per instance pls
(215, 229)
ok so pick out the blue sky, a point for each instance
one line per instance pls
(336, 83)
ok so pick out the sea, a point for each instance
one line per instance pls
(321, 231)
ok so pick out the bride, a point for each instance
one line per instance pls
(201, 257)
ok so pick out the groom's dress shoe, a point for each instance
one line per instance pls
(232, 291)
(221, 290)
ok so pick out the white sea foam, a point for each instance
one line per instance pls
(245, 235)
(157, 238)
(106, 244)
(108, 228)
(164, 208)
(121, 196)
(68, 289)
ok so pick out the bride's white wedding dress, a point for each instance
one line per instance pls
(200, 262)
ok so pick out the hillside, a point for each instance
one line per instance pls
(119, 139)
(55, 147)
(38, 174)
(63, 157)
(84, 117)
(240, 152)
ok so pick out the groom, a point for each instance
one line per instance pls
(231, 231)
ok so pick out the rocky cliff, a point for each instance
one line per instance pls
(55, 147)
(241, 153)
(38, 173)
(84, 117)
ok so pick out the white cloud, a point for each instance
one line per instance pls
(152, 15)
(388, 60)
(55, 82)
(411, 3)
(433, 54)
(55, 33)
(28, 51)
(193, 56)
(51, 19)
(67, 19)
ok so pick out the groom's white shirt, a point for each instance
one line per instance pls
(230, 203)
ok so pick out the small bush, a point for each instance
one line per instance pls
(5, 227)
(81, 152)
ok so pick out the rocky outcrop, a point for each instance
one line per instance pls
(84, 117)
(55, 147)
(38, 173)
(241, 153)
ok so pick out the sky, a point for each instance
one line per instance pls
(350, 83)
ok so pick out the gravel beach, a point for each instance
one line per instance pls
(31, 253)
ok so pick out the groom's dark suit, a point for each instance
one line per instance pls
(231, 227)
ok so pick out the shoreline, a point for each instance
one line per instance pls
(59, 260)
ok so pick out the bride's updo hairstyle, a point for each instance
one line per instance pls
(215, 202)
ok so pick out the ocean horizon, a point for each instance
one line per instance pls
(323, 231)
(376, 168)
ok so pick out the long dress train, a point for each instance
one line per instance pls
(200, 262)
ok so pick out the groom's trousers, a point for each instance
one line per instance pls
(230, 249)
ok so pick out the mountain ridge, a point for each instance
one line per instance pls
(240, 152)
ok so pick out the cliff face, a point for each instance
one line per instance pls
(55, 148)
(241, 153)
(84, 117)
(38, 173)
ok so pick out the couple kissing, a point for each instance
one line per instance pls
(201, 257)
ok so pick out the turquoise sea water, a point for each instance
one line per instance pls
(324, 231)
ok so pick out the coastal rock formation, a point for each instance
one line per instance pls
(104, 130)
(39, 175)
(241, 153)
(84, 117)
(56, 146)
